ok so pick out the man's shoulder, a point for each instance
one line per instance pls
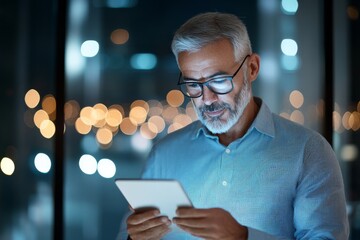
(284, 126)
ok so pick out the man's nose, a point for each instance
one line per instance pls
(208, 96)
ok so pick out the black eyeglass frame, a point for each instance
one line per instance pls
(201, 84)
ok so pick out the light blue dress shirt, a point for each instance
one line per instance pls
(281, 180)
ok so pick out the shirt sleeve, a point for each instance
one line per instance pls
(319, 205)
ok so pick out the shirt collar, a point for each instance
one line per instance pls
(263, 122)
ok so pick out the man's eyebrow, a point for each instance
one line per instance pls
(219, 73)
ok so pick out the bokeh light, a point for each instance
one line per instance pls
(336, 121)
(82, 127)
(87, 115)
(140, 103)
(71, 111)
(175, 98)
(7, 166)
(289, 6)
(47, 129)
(119, 36)
(32, 98)
(354, 121)
(39, 117)
(128, 127)
(89, 48)
(290, 63)
(106, 168)
(158, 122)
(297, 116)
(182, 119)
(143, 61)
(42, 163)
(88, 164)
(296, 99)
(156, 108)
(104, 136)
(349, 152)
(139, 143)
(148, 130)
(138, 115)
(289, 47)
(49, 104)
(113, 117)
(169, 113)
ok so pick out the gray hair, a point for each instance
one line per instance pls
(206, 28)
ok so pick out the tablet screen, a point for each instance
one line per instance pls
(165, 195)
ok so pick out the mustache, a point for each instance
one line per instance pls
(214, 107)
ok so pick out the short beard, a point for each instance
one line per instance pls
(217, 126)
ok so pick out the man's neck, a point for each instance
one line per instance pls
(241, 127)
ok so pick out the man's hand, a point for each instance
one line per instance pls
(213, 223)
(147, 225)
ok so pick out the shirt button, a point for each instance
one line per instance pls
(224, 183)
(227, 151)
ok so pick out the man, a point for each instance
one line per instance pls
(249, 173)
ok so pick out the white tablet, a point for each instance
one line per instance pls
(165, 195)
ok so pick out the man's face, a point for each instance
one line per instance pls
(217, 112)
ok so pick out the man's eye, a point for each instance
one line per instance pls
(219, 81)
(192, 85)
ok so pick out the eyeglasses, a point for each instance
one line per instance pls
(218, 84)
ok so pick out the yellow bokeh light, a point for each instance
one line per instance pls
(354, 121)
(183, 119)
(140, 103)
(7, 166)
(119, 36)
(47, 129)
(32, 98)
(175, 98)
(349, 152)
(82, 127)
(39, 117)
(173, 127)
(100, 111)
(336, 121)
(297, 116)
(147, 130)
(104, 136)
(138, 115)
(285, 115)
(71, 111)
(158, 122)
(128, 127)
(100, 123)
(119, 108)
(113, 117)
(87, 115)
(169, 113)
(156, 108)
(345, 120)
(113, 129)
(296, 99)
(190, 111)
(49, 104)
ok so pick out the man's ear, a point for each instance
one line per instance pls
(253, 66)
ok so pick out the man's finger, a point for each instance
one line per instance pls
(185, 212)
(138, 218)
